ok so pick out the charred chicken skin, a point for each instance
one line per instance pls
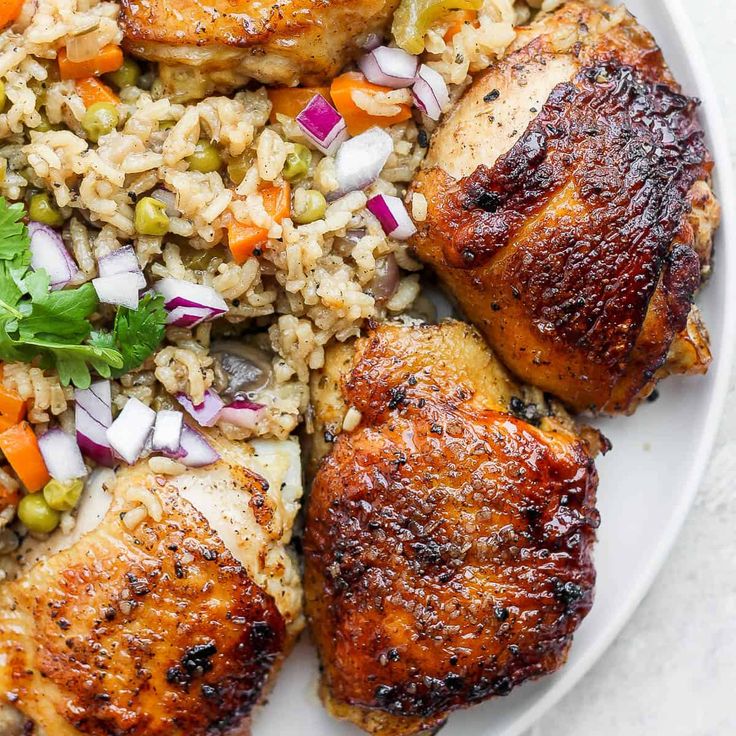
(166, 609)
(448, 540)
(221, 44)
(570, 211)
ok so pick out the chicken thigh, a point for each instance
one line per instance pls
(221, 44)
(570, 211)
(164, 610)
(449, 529)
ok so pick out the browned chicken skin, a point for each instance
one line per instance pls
(570, 212)
(220, 44)
(448, 541)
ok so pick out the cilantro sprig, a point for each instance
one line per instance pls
(54, 326)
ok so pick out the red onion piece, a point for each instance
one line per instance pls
(360, 160)
(121, 289)
(207, 413)
(323, 125)
(122, 260)
(195, 303)
(92, 416)
(242, 413)
(169, 199)
(430, 92)
(372, 41)
(190, 316)
(386, 280)
(392, 215)
(389, 67)
(127, 435)
(62, 456)
(196, 452)
(49, 253)
(167, 431)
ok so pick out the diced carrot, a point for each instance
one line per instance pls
(6, 423)
(459, 19)
(21, 450)
(91, 90)
(109, 59)
(8, 496)
(290, 101)
(356, 118)
(243, 238)
(9, 11)
(12, 407)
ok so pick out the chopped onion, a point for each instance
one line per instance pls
(189, 304)
(360, 160)
(62, 456)
(92, 416)
(128, 434)
(242, 413)
(169, 199)
(386, 280)
(167, 431)
(121, 289)
(389, 67)
(372, 41)
(122, 260)
(323, 125)
(430, 92)
(392, 215)
(195, 451)
(205, 414)
(49, 253)
(85, 45)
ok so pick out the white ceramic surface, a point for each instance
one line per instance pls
(647, 482)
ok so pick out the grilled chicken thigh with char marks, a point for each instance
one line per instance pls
(570, 211)
(167, 607)
(448, 541)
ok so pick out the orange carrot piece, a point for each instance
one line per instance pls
(9, 11)
(8, 496)
(91, 90)
(290, 101)
(109, 59)
(357, 119)
(21, 450)
(12, 407)
(6, 423)
(460, 18)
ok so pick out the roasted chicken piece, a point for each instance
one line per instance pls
(165, 609)
(449, 529)
(211, 45)
(570, 211)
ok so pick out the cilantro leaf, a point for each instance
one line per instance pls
(14, 239)
(58, 315)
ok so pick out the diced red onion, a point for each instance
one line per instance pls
(62, 456)
(387, 278)
(392, 215)
(49, 253)
(92, 416)
(360, 160)
(323, 125)
(205, 414)
(372, 41)
(242, 413)
(189, 304)
(167, 431)
(121, 289)
(122, 260)
(169, 199)
(430, 92)
(389, 67)
(195, 451)
(127, 435)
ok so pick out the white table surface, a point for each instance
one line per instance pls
(672, 671)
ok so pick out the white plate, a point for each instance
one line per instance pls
(648, 481)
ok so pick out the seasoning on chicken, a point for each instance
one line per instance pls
(570, 211)
(449, 528)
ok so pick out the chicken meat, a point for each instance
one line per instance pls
(570, 210)
(217, 45)
(166, 608)
(449, 528)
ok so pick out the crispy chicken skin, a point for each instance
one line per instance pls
(447, 542)
(170, 625)
(220, 44)
(570, 212)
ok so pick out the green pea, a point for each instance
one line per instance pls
(151, 217)
(297, 163)
(45, 125)
(63, 496)
(238, 167)
(42, 209)
(206, 158)
(2, 95)
(100, 119)
(37, 515)
(166, 124)
(309, 205)
(127, 76)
